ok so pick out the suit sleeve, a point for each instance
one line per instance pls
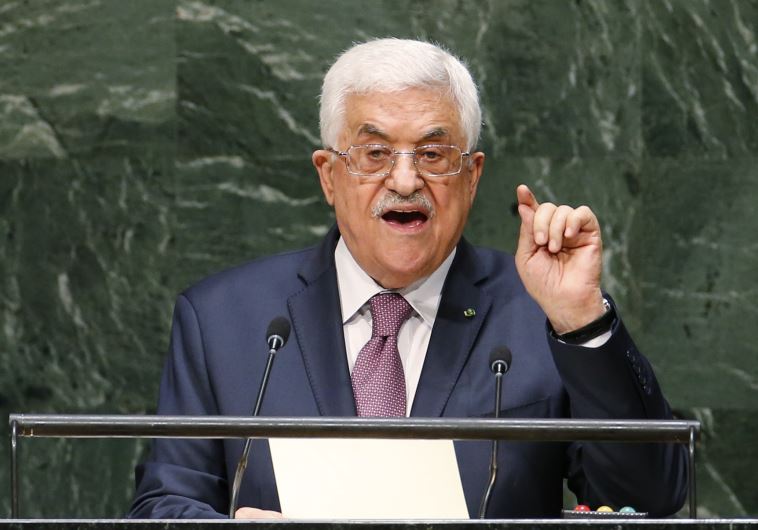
(183, 478)
(615, 381)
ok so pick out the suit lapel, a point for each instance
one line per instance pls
(317, 323)
(453, 334)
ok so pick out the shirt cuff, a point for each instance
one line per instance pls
(596, 342)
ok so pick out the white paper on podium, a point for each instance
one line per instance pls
(367, 479)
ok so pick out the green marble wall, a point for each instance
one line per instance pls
(146, 143)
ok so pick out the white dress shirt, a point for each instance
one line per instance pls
(356, 288)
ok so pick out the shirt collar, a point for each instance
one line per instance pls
(356, 287)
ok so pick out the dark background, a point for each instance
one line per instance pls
(145, 143)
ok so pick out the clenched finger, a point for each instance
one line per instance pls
(579, 219)
(542, 218)
(557, 228)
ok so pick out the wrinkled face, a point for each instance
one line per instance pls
(399, 228)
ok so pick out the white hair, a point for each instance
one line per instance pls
(392, 65)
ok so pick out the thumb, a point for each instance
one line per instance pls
(526, 245)
(525, 196)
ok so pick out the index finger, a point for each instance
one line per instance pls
(526, 197)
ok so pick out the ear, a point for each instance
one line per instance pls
(475, 168)
(322, 161)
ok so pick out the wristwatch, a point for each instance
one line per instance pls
(594, 329)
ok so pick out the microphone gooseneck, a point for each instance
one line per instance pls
(277, 333)
(500, 362)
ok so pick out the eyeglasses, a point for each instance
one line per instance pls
(377, 160)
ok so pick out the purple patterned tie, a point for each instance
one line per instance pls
(378, 377)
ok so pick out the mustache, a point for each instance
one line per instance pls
(392, 198)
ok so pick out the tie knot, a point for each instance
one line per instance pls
(388, 312)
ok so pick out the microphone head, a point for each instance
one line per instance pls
(500, 359)
(279, 327)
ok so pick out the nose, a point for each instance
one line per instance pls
(404, 178)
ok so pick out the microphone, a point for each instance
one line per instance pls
(276, 337)
(500, 362)
(277, 333)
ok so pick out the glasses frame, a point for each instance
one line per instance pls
(395, 154)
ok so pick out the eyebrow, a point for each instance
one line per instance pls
(373, 130)
(437, 132)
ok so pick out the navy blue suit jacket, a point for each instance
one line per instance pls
(217, 356)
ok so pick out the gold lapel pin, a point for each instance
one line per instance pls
(469, 313)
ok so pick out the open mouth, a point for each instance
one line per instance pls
(405, 219)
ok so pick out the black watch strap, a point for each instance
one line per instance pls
(594, 329)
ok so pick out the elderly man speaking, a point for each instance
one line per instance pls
(395, 314)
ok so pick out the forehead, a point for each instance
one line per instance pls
(410, 115)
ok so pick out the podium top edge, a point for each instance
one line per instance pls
(153, 426)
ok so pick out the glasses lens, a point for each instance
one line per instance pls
(438, 159)
(369, 159)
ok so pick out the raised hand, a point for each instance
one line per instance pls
(559, 259)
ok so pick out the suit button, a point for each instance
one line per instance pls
(637, 368)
